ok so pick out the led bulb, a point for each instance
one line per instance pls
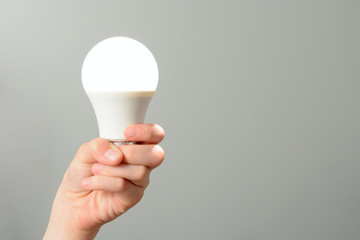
(120, 76)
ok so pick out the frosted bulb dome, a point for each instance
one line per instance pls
(119, 64)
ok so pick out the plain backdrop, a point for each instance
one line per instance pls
(259, 101)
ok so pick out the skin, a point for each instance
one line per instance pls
(103, 182)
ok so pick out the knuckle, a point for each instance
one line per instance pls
(159, 154)
(157, 132)
(141, 173)
(83, 147)
(83, 152)
(139, 196)
(147, 182)
(95, 143)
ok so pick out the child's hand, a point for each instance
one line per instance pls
(104, 181)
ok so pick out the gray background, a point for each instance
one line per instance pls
(259, 100)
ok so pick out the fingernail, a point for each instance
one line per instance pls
(85, 183)
(96, 168)
(132, 132)
(112, 155)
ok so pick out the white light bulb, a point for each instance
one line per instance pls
(120, 76)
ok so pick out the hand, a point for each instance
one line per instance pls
(103, 182)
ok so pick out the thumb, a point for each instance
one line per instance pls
(99, 150)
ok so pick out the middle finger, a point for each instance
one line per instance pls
(137, 174)
(149, 155)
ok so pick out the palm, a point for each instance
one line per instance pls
(97, 208)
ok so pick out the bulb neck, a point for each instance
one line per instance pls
(117, 110)
(121, 142)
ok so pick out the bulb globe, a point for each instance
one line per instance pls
(120, 76)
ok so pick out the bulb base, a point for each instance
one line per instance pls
(121, 142)
(117, 110)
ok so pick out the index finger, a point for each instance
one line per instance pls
(145, 133)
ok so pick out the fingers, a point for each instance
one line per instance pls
(145, 133)
(99, 150)
(148, 155)
(102, 151)
(138, 175)
(125, 190)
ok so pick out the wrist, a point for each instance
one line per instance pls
(60, 231)
(62, 224)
